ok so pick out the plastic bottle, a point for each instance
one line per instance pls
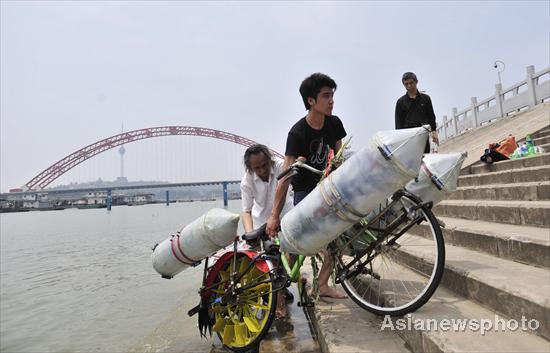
(524, 150)
(530, 145)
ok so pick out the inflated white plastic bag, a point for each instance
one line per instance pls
(359, 185)
(438, 176)
(209, 233)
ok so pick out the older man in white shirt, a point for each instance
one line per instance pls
(258, 187)
(257, 193)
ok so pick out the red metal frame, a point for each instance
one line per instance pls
(62, 166)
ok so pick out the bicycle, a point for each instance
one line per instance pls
(382, 262)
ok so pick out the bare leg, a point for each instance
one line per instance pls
(324, 274)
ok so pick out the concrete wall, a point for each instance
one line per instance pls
(476, 141)
(522, 95)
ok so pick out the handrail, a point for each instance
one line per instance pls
(482, 112)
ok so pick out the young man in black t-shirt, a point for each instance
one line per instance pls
(311, 137)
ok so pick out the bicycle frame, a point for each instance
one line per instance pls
(343, 271)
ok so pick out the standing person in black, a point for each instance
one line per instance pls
(311, 137)
(415, 109)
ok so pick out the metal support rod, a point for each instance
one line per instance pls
(224, 185)
(109, 200)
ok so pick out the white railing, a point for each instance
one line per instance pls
(522, 95)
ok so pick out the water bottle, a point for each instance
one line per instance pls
(524, 150)
(530, 145)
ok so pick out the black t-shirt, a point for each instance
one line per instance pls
(415, 112)
(305, 141)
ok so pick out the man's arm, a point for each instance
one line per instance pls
(338, 145)
(431, 120)
(274, 222)
(247, 200)
(246, 217)
(398, 116)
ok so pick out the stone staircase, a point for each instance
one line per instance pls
(497, 238)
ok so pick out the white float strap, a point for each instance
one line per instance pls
(176, 239)
(333, 199)
(378, 143)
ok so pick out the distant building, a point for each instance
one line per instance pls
(96, 198)
(38, 200)
(35, 204)
(139, 199)
(121, 180)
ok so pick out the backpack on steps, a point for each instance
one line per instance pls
(499, 151)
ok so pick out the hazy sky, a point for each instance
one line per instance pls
(72, 72)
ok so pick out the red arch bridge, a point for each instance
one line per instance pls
(48, 175)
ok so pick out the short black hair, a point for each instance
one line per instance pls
(408, 76)
(312, 85)
(255, 149)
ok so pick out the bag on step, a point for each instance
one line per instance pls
(499, 151)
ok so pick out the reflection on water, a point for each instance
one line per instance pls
(82, 280)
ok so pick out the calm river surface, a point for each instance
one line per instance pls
(82, 281)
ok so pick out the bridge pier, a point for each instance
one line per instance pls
(167, 198)
(109, 200)
(224, 185)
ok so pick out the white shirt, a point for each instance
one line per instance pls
(258, 195)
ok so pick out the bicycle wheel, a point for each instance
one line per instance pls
(242, 320)
(399, 274)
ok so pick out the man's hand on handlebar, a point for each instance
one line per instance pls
(273, 226)
(293, 169)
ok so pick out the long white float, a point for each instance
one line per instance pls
(438, 176)
(359, 185)
(209, 233)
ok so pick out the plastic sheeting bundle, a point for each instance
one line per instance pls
(358, 186)
(209, 233)
(438, 176)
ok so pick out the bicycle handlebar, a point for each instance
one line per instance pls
(300, 163)
(255, 234)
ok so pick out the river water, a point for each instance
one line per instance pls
(82, 281)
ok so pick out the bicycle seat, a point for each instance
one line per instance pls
(255, 234)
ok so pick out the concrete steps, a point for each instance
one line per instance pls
(446, 305)
(528, 162)
(540, 141)
(528, 245)
(346, 327)
(497, 234)
(541, 133)
(529, 191)
(532, 174)
(531, 213)
(343, 327)
(505, 286)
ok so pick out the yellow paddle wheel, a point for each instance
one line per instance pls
(242, 318)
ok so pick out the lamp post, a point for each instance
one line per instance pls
(496, 66)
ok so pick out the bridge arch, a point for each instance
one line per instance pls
(65, 164)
